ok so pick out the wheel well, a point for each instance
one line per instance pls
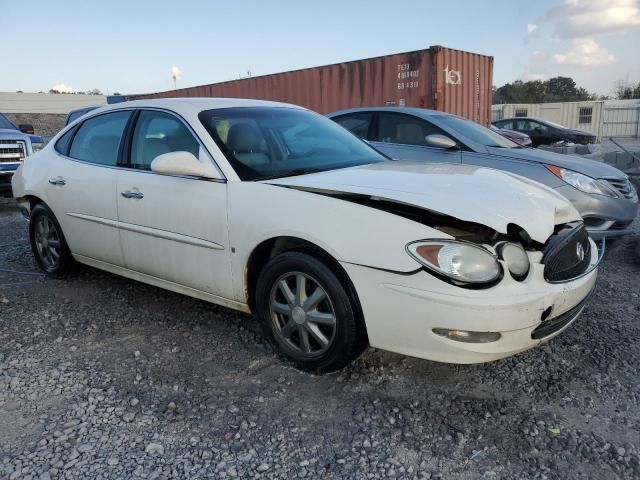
(33, 201)
(274, 246)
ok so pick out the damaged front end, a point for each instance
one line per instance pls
(480, 256)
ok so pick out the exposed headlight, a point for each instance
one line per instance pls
(36, 147)
(516, 259)
(460, 261)
(582, 182)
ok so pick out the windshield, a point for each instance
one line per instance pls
(5, 123)
(476, 132)
(268, 142)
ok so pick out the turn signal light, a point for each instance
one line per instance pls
(466, 336)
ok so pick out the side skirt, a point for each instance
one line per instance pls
(158, 282)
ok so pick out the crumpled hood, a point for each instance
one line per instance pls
(586, 166)
(474, 194)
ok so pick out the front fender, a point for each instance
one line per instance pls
(349, 232)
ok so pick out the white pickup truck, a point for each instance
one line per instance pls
(16, 143)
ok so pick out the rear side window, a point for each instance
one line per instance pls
(98, 139)
(404, 129)
(356, 123)
(157, 133)
(62, 145)
(73, 116)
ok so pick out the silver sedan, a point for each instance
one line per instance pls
(602, 194)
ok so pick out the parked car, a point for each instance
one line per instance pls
(76, 113)
(15, 145)
(603, 195)
(270, 208)
(516, 137)
(545, 132)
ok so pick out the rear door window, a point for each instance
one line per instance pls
(98, 139)
(357, 123)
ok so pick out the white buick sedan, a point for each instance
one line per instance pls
(272, 209)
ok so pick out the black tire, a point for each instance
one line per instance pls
(345, 340)
(50, 263)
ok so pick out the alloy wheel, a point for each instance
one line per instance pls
(47, 242)
(302, 314)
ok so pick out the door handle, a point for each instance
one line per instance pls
(130, 194)
(57, 181)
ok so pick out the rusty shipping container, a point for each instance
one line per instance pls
(440, 78)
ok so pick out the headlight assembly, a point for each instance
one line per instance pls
(516, 259)
(36, 147)
(462, 262)
(582, 182)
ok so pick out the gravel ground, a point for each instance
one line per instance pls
(103, 377)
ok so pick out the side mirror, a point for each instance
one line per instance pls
(440, 141)
(26, 128)
(537, 130)
(184, 164)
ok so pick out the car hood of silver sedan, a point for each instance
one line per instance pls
(586, 166)
(474, 194)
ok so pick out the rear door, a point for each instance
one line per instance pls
(81, 189)
(402, 137)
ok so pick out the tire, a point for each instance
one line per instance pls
(299, 334)
(48, 244)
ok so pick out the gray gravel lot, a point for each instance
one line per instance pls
(103, 377)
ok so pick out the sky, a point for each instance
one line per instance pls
(133, 47)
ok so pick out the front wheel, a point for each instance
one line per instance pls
(307, 314)
(47, 241)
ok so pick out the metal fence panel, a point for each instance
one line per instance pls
(606, 119)
(621, 118)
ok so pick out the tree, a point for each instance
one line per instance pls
(558, 89)
(623, 90)
(53, 90)
(95, 91)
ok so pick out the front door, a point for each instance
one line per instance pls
(402, 137)
(173, 228)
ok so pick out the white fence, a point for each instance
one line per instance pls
(11, 102)
(606, 119)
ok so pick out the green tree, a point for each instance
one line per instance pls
(623, 90)
(558, 89)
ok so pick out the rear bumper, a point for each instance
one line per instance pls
(402, 311)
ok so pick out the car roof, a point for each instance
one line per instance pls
(195, 104)
(541, 120)
(419, 112)
(84, 109)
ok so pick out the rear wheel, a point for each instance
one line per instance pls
(47, 241)
(307, 313)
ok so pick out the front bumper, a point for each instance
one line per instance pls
(5, 183)
(401, 311)
(605, 217)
